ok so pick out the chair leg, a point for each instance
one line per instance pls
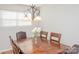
(59, 45)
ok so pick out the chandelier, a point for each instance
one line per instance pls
(33, 12)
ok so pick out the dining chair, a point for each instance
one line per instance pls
(55, 38)
(21, 35)
(16, 49)
(43, 35)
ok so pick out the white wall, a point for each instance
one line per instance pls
(6, 31)
(55, 18)
(63, 19)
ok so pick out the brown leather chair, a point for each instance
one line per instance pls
(16, 49)
(43, 35)
(21, 35)
(55, 38)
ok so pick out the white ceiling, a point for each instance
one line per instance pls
(13, 7)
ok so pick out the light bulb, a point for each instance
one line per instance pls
(38, 18)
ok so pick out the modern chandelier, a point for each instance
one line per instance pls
(33, 12)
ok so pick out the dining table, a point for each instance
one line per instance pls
(38, 46)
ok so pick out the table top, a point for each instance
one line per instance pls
(37, 46)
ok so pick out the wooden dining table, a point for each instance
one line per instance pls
(38, 46)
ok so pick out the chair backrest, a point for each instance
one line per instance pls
(43, 35)
(21, 35)
(55, 37)
(11, 40)
(16, 49)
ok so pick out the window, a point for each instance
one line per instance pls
(11, 18)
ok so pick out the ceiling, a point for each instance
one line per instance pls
(13, 7)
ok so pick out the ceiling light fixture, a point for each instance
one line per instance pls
(33, 12)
